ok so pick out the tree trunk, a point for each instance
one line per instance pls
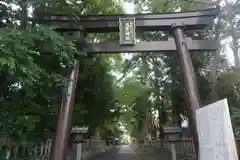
(158, 103)
(24, 13)
(233, 34)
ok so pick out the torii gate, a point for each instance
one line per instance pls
(174, 23)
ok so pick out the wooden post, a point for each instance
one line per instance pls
(59, 149)
(173, 151)
(189, 79)
(79, 151)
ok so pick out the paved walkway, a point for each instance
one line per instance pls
(125, 152)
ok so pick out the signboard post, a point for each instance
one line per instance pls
(79, 151)
(172, 132)
(216, 138)
(78, 131)
(173, 150)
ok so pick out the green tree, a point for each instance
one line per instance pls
(32, 79)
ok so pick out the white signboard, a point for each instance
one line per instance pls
(216, 139)
(83, 129)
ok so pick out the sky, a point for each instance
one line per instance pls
(129, 9)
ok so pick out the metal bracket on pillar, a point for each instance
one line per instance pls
(189, 79)
(178, 25)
